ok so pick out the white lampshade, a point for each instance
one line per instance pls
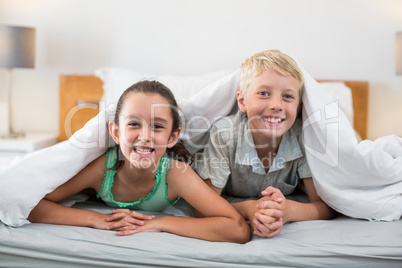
(17, 47)
(17, 50)
(398, 54)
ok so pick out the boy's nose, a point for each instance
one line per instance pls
(275, 103)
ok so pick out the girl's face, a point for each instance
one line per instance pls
(145, 129)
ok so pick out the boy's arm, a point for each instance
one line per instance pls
(248, 209)
(315, 210)
(296, 211)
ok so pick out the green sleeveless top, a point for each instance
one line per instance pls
(155, 201)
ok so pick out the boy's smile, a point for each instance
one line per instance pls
(273, 120)
(271, 103)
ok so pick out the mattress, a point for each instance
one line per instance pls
(342, 242)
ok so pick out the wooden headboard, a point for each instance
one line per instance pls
(80, 95)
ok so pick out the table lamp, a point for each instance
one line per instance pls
(17, 50)
(398, 54)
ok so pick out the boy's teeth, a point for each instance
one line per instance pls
(273, 120)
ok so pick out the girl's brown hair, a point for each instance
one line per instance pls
(178, 151)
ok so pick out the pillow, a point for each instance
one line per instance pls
(338, 91)
(116, 80)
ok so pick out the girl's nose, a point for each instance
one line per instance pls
(145, 134)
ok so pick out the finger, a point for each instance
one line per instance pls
(269, 190)
(274, 213)
(116, 225)
(269, 205)
(126, 232)
(116, 216)
(274, 193)
(275, 225)
(256, 232)
(277, 198)
(134, 221)
(274, 233)
(121, 210)
(262, 228)
(271, 223)
(138, 215)
(125, 222)
(264, 219)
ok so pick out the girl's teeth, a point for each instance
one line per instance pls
(143, 151)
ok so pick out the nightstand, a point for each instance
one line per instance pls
(31, 142)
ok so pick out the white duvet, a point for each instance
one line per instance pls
(360, 180)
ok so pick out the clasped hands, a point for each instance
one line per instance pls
(127, 222)
(268, 219)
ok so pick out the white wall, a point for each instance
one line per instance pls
(332, 39)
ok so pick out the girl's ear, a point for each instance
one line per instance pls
(114, 131)
(241, 102)
(174, 138)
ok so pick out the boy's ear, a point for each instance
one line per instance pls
(114, 131)
(241, 102)
(299, 107)
(174, 138)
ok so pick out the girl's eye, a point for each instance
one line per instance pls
(134, 124)
(157, 126)
(263, 93)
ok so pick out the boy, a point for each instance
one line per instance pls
(258, 152)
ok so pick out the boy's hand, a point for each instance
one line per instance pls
(269, 219)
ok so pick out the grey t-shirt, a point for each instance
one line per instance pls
(230, 159)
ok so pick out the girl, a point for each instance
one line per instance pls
(139, 173)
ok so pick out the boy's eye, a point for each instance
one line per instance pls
(288, 96)
(263, 93)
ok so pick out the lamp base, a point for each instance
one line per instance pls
(13, 135)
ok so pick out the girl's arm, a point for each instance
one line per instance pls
(221, 221)
(48, 211)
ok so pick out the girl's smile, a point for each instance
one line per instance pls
(145, 129)
(143, 151)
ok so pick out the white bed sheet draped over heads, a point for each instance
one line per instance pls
(361, 180)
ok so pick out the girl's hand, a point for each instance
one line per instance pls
(124, 219)
(152, 225)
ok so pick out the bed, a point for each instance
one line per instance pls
(342, 242)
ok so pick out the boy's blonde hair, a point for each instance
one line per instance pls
(269, 59)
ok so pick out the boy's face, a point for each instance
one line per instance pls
(271, 103)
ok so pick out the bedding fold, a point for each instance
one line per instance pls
(361, 180)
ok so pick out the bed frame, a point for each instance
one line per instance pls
(80, 95)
